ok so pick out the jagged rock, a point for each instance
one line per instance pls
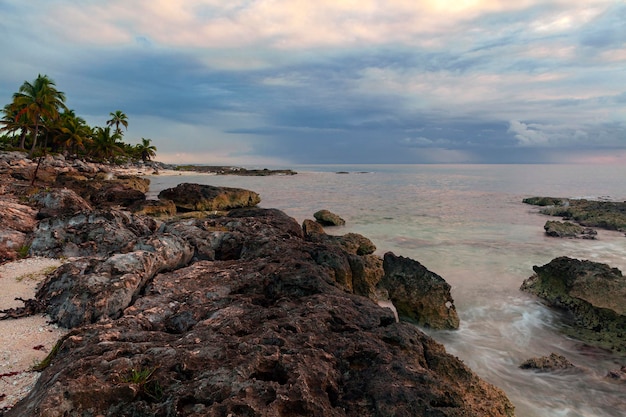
(95, 233)
(554, 362)
(594, 293)
(154, 208)
(420, 296)
(268, 334)
(59, 201)
(568, 230)
(196, 197)
(618, 375)
(89, 289)
(327, 218)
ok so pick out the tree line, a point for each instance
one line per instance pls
(38, 120)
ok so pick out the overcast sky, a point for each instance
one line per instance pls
(280, 82)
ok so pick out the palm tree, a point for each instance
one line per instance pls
(37, 100)
(104, 145)
(145, 150)
(118, 118)
(72, 132)
(14, 122)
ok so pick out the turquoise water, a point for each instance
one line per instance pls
(467, 223)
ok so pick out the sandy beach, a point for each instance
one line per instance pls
(25, 341)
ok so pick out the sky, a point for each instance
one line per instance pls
(287, 82)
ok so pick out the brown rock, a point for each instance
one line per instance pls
(553, 362)
(196, 197)
(420, 296)
(327, 218)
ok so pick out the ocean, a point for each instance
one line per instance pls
(468, 224)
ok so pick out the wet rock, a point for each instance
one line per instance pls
(94, 233)
(568, 230)
(594, 294)
(420, 296)
(545, 201)
(554, 362)
(618, 375)
(609, 215)
(327, 218)
(196, 197)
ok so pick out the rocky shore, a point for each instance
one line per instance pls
(229, 310)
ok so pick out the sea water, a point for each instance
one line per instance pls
(468, 224)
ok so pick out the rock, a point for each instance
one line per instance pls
(88, 289)
(268, 334)
(97, 233)
(17, 221)
(554, 362)
(196, 197)
(326, 218)
(16, 216)
(544, 201)
(609, 215)
(117, 195)
(313, 230)
(568, 230)
(154, 208)
(59, 201)
(618, 375)
(594, 294)
(420, 296)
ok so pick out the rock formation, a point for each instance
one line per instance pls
(229, 313)
(554, 362)
(568, 230)
(327, 218)
(196, 197)
(260, 327)
(419, 294)
(594, 294)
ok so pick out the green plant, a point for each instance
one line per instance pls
(22, 251)
(143, 378)
(48, 359)
(36, 275)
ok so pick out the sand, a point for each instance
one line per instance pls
(24, 341)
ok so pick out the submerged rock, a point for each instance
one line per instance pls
(554, 362)
(594, 293)
(609, 215)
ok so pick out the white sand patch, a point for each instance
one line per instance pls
(25, 341)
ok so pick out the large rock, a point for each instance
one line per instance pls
(196, 197)
(420, 296)
(268, 334)
(89, 289)
(59, 201)
(93, 233)
(568, 230)
(327, 218)
(594, 294)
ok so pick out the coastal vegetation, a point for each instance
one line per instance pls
(38, 120)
